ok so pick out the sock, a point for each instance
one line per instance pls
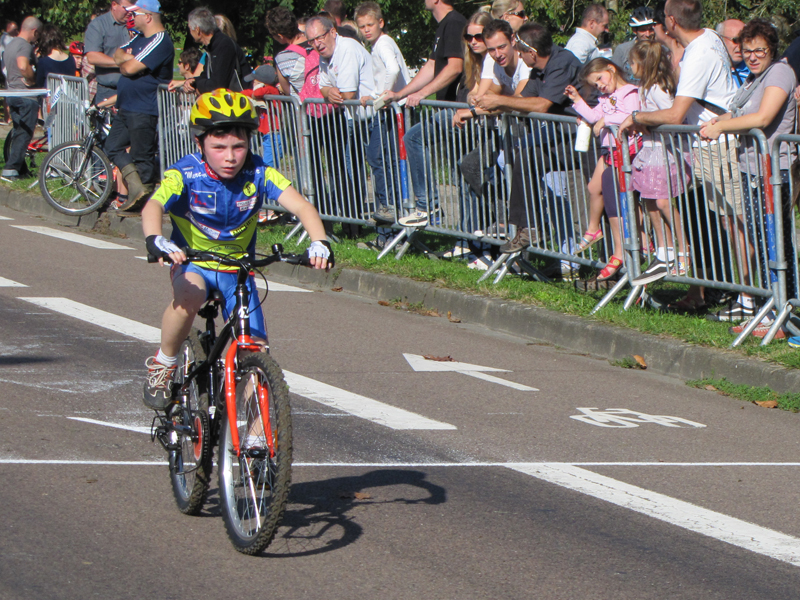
(746, 301)
(167, 361)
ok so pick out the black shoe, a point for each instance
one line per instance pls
(657, 270)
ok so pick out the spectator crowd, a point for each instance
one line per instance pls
(726, 80)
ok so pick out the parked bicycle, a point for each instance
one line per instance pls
(77, 178)
(229, 392)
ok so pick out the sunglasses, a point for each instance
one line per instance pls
(134, 14)
(520, 14)
(523, 46)
(314, 40)
(478, 37)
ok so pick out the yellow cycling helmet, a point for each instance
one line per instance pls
(222, 107)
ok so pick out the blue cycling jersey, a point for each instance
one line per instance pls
(211, 214)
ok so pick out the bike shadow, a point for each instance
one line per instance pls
(318, 519)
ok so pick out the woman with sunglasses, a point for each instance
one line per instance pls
(474, 55)
(765, 101)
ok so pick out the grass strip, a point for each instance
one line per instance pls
(759, 395)
(558, 296)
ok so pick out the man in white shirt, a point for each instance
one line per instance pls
(594, 23)
(345, 73)
(705, 89)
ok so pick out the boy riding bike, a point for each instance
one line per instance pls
(213, 198)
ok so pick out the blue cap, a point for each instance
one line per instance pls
(152, 6)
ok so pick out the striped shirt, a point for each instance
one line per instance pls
(137, 93)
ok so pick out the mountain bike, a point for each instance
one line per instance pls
(76, 178)
(229, 392)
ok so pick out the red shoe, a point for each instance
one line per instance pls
(611, 268)
(760, 331)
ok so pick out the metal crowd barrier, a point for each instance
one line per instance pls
(460, 175)
(719, 228)
(784, 196)
(722, 218)
(65, 108)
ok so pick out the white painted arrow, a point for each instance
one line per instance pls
(420, 363)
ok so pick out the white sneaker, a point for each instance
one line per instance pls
(415, 219)
(457, 251)
(481, 263)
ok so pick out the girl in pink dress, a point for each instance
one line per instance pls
(618, 99)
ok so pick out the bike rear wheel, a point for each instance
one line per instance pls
(73, 183)
(254, 487)
(190, 466)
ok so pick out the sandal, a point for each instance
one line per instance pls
(611, 268)
(588, 240)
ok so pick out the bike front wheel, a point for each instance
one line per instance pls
(190, 465)
(254, 486)
(74, 183)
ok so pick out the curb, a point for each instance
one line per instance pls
(662, 355)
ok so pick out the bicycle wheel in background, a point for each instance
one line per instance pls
(254, 487)
(73, 183)
(190, 466)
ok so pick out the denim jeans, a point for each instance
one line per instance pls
(273, 149)
(417, 140)
(24, 112)
(137, 131)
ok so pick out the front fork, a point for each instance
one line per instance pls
(246, 343)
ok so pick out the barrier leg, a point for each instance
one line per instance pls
(633, 296)
(293, 232)
(753, 323)
(610, 294)
(395, 240)
(502, 261)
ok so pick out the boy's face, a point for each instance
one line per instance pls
(225, 154)
(370, 27)
(183, 69)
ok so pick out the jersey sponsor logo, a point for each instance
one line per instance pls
(209, 231)
(192, 174)
(203, 203)
(249, 189)
(246, 204)
(236, 232)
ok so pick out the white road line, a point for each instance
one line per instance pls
(354, 404)
(8, 283)
(6, 218)
(493, 379)
(279, 287)
(99, 317)
(135, 428)
(360, 406)
(394, 465)
(676, 512)
(73, 237)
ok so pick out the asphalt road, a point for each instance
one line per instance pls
(476, 490)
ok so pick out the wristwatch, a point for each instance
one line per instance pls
(633, 116)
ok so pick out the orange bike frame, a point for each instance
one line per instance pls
(244, 342)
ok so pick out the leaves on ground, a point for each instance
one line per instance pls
(640, 361)
(384, 303)
(768, 403)
(355, 496)
(337, 289)
(451, 318)
(447, 358)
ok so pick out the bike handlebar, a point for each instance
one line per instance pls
(245, 263)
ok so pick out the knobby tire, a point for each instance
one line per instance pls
(254, 492)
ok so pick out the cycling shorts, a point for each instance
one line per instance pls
(226, 283)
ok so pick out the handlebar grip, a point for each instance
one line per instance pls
(154, 259)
